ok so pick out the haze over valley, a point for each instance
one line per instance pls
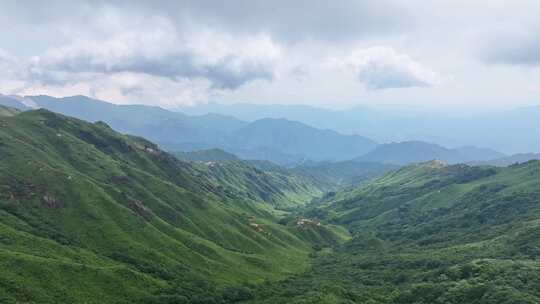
(256, 152)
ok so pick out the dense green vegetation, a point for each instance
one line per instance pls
(428, 233)
(7, 111)
(88, 215)
(310, 177)
(335, 175)
(240, 180)
(253, 180)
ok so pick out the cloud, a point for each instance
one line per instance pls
(8, 63)
(127, 88)
(226, 62)
(144, 60)
(10, 73)
(283, 20)
(380, 68)
(186, 51)
(517, 48)
(295, 21)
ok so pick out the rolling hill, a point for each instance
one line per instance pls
(206, 155)
(7, 111)
(428, 233)
(342, 174)
(321, 176)
(280, 188)
(86, 211)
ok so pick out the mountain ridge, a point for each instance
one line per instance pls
(427, 233)
(403, 153)
(83, 205)
(509, 131)
(179, 132)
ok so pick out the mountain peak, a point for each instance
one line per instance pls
(435, 164)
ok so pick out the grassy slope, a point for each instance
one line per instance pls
(206, 155)
(87, 211)
(337, 175)
(7, 111)
(429, 234)
(243, 181)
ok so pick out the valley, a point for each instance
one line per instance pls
(269, 152)
(83, 203)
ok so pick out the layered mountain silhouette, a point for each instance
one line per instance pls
(278, 140)
(417, 151)
(509, 131)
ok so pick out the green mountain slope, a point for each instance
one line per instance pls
(7, 111)
(258, 181)
(241, 180)
(206, 155)
(428, 233)
(85, 211)
(344, 173)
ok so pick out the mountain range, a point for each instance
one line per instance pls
(408, 152)
(509, 131)
(326, 175)
(83, 205)
(88, 211)
(210, 155)
(427, 233)
(282, 141)
(278, 140)
(508, 160)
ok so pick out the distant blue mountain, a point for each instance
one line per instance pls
(404, 153)
(512, 131)
(296, 138)
(509, 160)
(278, 140)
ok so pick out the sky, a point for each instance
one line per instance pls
(447, 54)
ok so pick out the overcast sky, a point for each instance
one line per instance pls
(445, 54)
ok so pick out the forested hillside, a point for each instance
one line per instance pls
(428, 233)
(92, 216)
(86, 211)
